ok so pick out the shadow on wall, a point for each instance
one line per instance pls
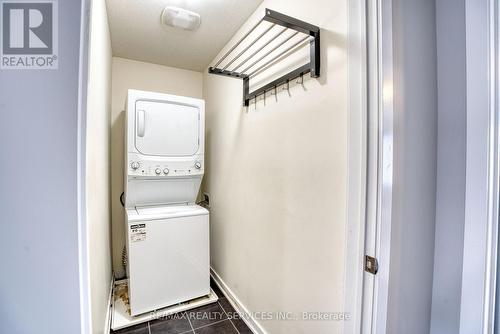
(208, 143)
(118, 212)
(328, 38)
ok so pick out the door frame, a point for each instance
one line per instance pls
(370, 149)
(481, 244)
(83, 242)
(380, 164)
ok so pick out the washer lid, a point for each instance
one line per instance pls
(165, 212)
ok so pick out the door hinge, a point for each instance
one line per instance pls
(371, 264)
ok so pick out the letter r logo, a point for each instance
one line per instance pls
(27, 28)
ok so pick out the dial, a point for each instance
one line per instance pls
(158, 171)
(134, 165)
(197, 165)
(165, 171)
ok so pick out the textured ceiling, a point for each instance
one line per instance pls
(137, 33)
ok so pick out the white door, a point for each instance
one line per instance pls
(166, 128)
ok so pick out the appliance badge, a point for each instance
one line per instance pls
(137, 232)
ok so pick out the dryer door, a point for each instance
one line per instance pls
(166, 128)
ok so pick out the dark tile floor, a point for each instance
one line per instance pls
(216, 318)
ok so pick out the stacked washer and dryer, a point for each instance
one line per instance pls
(167, 234)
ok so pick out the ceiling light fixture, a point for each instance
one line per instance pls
(180, 18)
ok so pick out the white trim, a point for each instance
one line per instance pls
(494, 313)
(481, 194)
(357, 160)
(109, 311)
(372, 162)
(385, 183)
(83, 255)
(238, 306)
(380, 164)
(493, 174)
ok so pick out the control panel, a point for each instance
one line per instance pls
(161, 168)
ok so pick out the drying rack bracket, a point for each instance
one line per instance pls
(277, 19)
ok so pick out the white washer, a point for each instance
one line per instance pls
(167, 234)
(168, 256)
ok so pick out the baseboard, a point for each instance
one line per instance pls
(107, 321)
(238, 306)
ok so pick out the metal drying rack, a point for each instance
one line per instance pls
(251, 64)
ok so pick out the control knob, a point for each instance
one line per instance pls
(158, 171)
(134, 165)
(197, 165)
(165, 171)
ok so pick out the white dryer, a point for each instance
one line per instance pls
(165, 142)
(167, 235)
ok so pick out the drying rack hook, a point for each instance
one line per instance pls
(300, 80)
(286, 86)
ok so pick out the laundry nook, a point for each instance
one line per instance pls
(200, 219)
(250, 166)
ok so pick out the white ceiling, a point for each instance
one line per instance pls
(137, 33)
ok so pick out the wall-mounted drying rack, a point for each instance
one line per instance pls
(301, 33)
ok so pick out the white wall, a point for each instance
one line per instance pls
(98, 164)
(130, 74)
(414, 178)
(39, 281)
(277, 177)
(450, 201)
